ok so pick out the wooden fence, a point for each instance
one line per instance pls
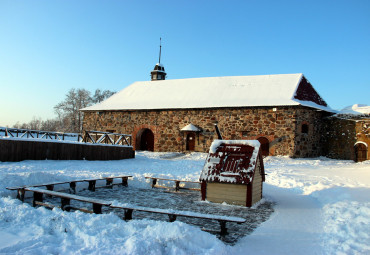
(18, 150)
(94, 145)
(29, 133)
(106, 138)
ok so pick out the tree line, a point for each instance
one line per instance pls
(68, 115)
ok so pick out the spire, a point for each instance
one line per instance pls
(158, 73)
(160, 49)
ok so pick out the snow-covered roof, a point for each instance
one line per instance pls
(212, 92)
(191, 127)
(231, 161)
(356, 109)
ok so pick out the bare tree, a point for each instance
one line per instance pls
(100, 96)
(69, 117)
(68, 111)
(35, 123)
(50, 125)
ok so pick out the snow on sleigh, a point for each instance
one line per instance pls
(233, 173)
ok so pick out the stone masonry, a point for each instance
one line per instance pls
(342, 133)
(292, 130)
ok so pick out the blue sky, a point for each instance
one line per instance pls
(49, 47)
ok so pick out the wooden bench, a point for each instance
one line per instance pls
(109, 181)
(177, 183)
(72, 185)
(38, 199)
(172, 215)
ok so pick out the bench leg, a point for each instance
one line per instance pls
(154, 182)
(171, 217)
(177, 186)
(223, 227)
(124, 181)
(20, 194)
(65, 204)
(97, 208)
(92, 185)
(109, 182)
(128, 214)
(72, 186)
(37, 197)
(50, 187)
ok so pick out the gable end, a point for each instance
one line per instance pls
(305, 92)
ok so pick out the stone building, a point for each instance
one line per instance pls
(347, 134)
(284, 112)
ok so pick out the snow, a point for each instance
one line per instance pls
(210, 172)
(58, 141)
(232, 91)
(356, 109)
(190, 127)
(322, 206)
(176, 212)
(38, 134)
(254, 143)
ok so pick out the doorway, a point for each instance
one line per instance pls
(265, 146)
(190, 142)
(360, 152)
(145, 140)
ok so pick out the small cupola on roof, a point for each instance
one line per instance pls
(158, 73)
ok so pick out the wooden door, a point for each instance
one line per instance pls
(147, 140)
(190, 142)
(265, 146)
(360, 152)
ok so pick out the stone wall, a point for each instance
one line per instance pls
(308, 140)
(280, 125)
(341, 135)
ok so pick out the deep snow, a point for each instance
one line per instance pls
(322, 206)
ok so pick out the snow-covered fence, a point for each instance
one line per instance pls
(29, 133)
(88, 137)
(106, 138)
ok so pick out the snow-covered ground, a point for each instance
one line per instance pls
(322, 206)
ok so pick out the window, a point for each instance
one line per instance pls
(304, 128)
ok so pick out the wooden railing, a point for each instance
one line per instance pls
(96, 137)
(29, 133)
(106, 138)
